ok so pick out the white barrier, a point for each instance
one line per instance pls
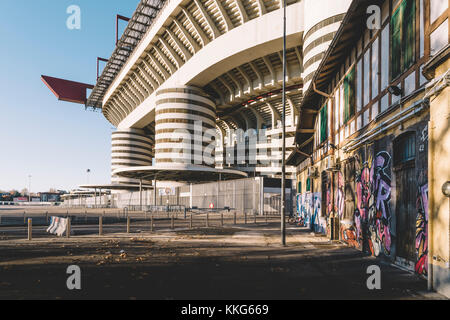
(58, 226)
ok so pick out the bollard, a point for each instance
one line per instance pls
(128, 224)
(100, 226)
(68, 228)
(30, 229)
(151, 223)
(172, 225)
(46, 216)
(207, 219)
(245, 217)
(235, 218)
(24, 218)
(266, 218)
(191, 221)
(221, 218)
(255, 218)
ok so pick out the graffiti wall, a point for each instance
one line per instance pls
(380, 196)
(370, 228)
(422, 231)
(309, 208)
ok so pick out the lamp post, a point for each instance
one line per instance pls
(87, 175)
(283, 160)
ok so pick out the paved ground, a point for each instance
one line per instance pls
(239, 262)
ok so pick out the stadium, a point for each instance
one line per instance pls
(194, 89)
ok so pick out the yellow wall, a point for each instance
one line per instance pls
(439, 173)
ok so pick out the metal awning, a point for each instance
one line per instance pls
(137, 27)
(117, 186)
(179, 173)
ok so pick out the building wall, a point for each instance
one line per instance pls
(439, 155)
(381, 203)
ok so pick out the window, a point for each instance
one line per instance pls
(375, 64)
(299, 187)
(341, 105)
(437, 8)
(403, 33)
(324, 123)
(349, 95)
(385, 57)
(439, 38)
(359, 85)
(308, 185)
(405, 148)
(366, 94)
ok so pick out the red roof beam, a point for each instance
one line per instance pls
(66, 90)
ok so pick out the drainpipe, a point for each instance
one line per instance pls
(430, 206)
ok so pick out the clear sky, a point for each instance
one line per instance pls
(54, 141)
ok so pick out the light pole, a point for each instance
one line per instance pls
(29, 188)
(283, 160)
(87, 175)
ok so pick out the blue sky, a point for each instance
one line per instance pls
(51, 140)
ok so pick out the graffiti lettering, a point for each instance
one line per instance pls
(422, 231)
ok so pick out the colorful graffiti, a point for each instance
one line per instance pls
(422, 231)
(339, 200)
(309, 209)
(304, 204)
(372, 218)
(319, 224)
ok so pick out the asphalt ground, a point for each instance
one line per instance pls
(244, 261)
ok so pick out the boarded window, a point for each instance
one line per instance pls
(403, 33)
(409, 29)
(405, 148)
(324, 124)
(349, 95)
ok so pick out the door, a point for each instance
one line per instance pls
(406, 182)
(406, 212)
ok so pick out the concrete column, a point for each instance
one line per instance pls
(185, 114)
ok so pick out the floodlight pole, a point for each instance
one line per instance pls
(283, 160)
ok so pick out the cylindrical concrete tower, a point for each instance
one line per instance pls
(320, 27)
(185, 124)
(130, 147)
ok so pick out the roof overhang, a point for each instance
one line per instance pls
(179, 173)
(115, 186)
(351, 29)
(66, 90)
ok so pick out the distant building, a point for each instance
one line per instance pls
(50, 196)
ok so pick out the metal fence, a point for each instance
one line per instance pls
(243, 195)
(15, 227)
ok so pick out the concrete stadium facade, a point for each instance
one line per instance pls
(217, 63)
